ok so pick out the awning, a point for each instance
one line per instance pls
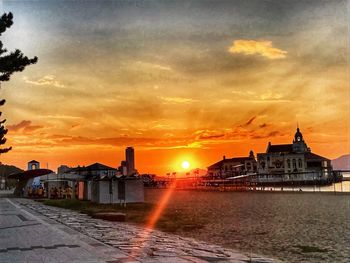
(26, 175)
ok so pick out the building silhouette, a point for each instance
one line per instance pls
(281, 163)
(231, 167)
(33, 165)
(130, 160)
(292, 158)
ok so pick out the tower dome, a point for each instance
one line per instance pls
(298, 137)
(299, 145)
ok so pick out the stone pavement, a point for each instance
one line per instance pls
(53, 234)
(28, 237)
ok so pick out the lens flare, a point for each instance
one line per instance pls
(144, 237)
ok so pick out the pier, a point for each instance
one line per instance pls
(306, 181)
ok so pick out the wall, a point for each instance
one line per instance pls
(134, 191)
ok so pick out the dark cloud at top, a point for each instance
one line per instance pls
(169, 20)
(105, 33)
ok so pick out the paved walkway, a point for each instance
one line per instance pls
(33, 232)
(28, 237)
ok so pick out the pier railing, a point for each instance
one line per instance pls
(317, 177)
(309, 181)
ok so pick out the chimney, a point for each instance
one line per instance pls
(224, 157)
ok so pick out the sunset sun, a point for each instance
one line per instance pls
(185, 165)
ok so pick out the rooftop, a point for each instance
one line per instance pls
(280, 148)
(98, 167)
(33, 161)
(229, 160)
(312, 156)
(92, 167)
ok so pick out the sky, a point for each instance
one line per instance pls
(177, 80)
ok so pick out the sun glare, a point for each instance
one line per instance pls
(185, 164)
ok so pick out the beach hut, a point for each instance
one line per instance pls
(115, 190)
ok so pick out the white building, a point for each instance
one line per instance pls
(122, 190)
(293, 162)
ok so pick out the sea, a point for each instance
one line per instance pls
(308, 226)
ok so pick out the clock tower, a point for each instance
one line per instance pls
(299, 145)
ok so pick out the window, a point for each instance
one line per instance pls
(288, 163)
(278, 164)
(300, 163)
(249, 166)
(294, 164)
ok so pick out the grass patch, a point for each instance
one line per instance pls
(311, 249)
(173, 221)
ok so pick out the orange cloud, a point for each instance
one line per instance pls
(46, 80)
(24, 126)
(253, 47)
(208, 134)
(175, 100)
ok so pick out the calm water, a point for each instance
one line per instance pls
(293, 227)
